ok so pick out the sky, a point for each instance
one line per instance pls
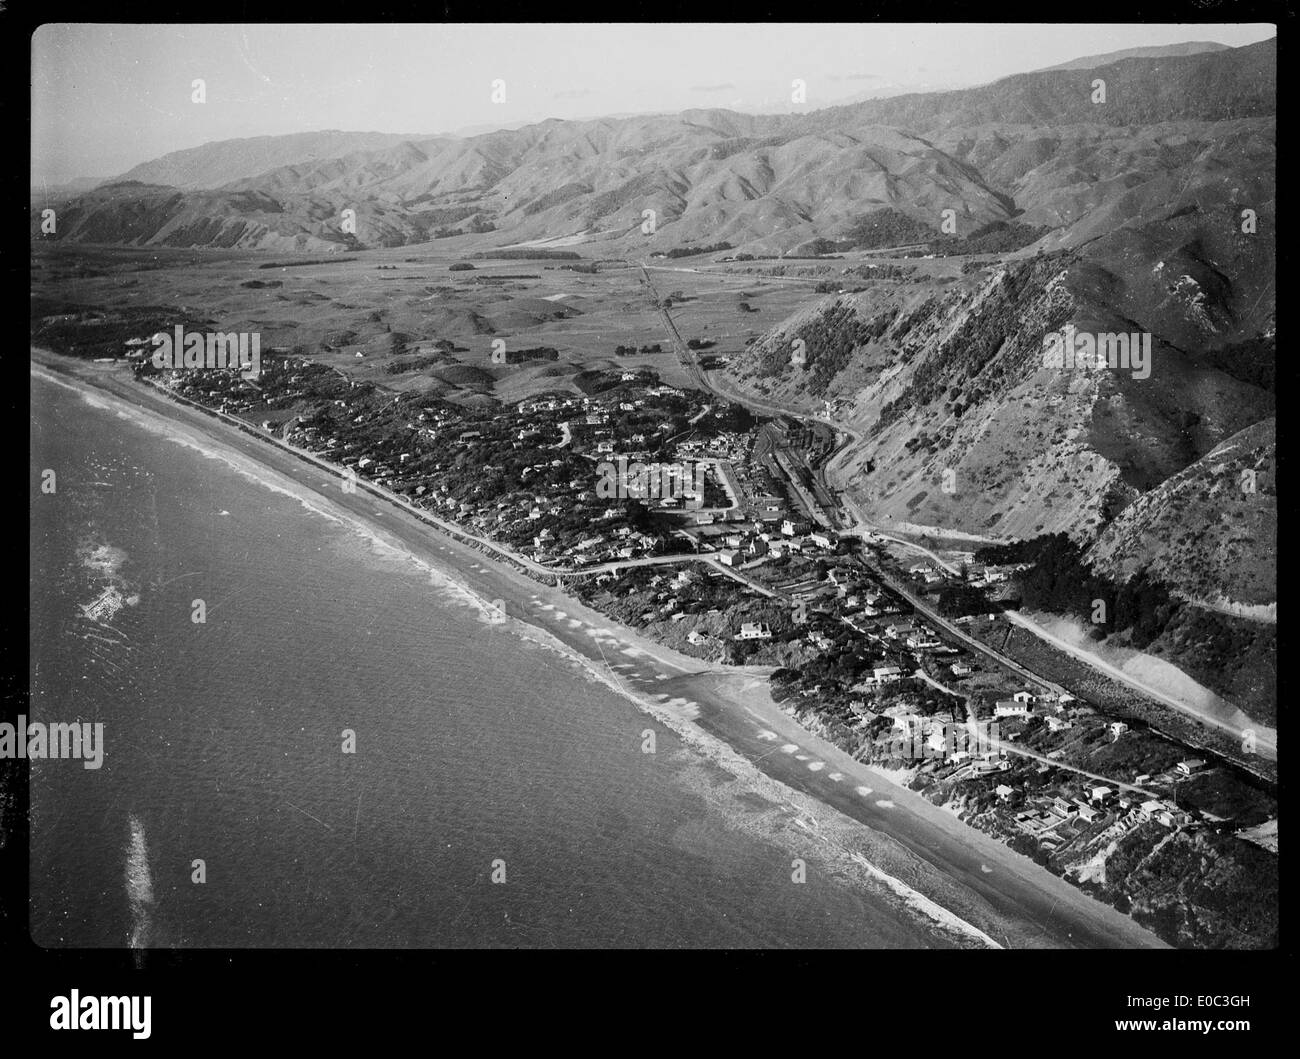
(107, 97)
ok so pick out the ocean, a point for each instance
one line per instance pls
(482, 751)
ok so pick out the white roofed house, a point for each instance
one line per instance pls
(1012, 708)
(754, 630)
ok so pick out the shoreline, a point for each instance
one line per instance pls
(966, 882)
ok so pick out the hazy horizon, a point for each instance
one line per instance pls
(106, 98)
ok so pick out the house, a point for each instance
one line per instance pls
(1064, 808)
(793, 527)
(1024, 696)
(1057, 724)
(960, 669)
(696, 637)
(1117, 729)
(1191, 766)
(754, 630)
(886, 674)
(1148, 810)
(757, 547)
(1100, 794)
(729, 558)
(1003, 791)
(824, 539)
(1087, 813)
(1012, 708)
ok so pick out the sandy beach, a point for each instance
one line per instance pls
(880, 833)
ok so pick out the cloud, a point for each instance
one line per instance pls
(573, 93)
(713, 88)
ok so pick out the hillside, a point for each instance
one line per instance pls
(1210, 530)
(214, 164)
(1089, 62)
(1034, 147)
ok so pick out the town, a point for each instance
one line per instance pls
(881, 654)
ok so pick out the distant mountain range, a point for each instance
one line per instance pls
(1034, 147)
(1089, 62)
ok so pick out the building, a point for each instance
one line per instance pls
(1012, 708)
(1003, 791)
(1100, 794)
(886, 674)
(1147, 810)
(729, 558)
(1117, 729)
(960, 669)
(1191, 766)
(754, 630)
(1062, 807)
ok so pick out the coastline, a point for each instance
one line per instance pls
(967, 882)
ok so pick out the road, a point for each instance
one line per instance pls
(684, 353)
(1020, 751)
